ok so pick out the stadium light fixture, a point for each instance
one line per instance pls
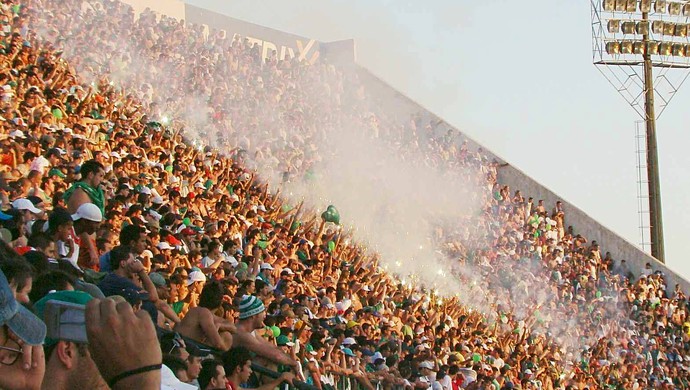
(614, 26)
(658, 27)
(628, 27)
(642, 28)
(631, 40)
(665, 48)
(678, 50)
(627, 47)
(674, 8)
(660, 6)
(653, 48)
(613, 47)
(669, 28)
(645, 5)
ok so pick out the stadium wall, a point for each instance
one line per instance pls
(341, 53)
(285, 44)
(508, 175)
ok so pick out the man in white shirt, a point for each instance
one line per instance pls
(51, 159)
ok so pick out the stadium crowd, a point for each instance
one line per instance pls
(107, 191)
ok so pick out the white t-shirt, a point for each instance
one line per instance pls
(207, 262)
(63, 250)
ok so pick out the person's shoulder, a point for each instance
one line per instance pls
(114, 280)
(199, 313)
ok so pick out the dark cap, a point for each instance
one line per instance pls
(57, 152)
(58, 217)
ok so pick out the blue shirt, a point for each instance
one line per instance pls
(104, 262)
(113, 284)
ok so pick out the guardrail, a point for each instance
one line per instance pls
(255, 367)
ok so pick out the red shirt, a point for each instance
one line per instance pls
(457, 382)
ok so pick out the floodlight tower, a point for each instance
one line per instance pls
(631, 41)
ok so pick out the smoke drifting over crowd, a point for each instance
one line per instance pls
(334, 146)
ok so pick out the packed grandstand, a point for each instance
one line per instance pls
(117, 182)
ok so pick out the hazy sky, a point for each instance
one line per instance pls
(516, 76)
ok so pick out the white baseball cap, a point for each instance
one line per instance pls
(266, 266)
(89, 212)
(25, 204)
(349, 341)
(196, 276)
(164, 245)
(17, 134)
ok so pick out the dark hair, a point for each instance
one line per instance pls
(171, 343)
(235, 357)
(15, 267)
(211, 296)
(39, 240)
(49, 281)
(129, 234)
(118, 254)
(259, 285)
(28, 156)
(91, 166)
(213, 245)
(60, 216)
(57, 197)
(178, 279)
(39, 261)
(209, 369)
(228, 244)
(37, 226)
(174, 363)
(31, 175)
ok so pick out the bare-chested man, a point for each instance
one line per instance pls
(201, 325)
